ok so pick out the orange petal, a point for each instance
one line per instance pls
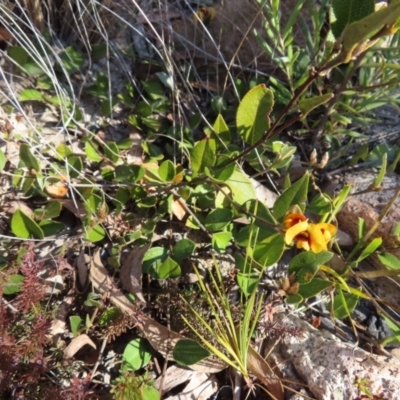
(317, 238)
(293, 219)
(292, 232)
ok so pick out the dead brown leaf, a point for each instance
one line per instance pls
(135, 153)
(58, 325)
(5, 34)
(131, 271)
(76, 344)
(75, 207)
(261, 370)
(12, 206)
(57, 191)
(177, 208)
(83, 270)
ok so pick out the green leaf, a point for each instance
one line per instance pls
(19, 55)
(29, 160)
(221, 174)
(220, 241)
(305, 265)
(319, 205)
(166, 79)
(222, 130)
(294, 195)
(31, 95)
(189, 352)
(396, 231)
(24, 227)
(75, 322)
(268, 251)
(167, 171)
(149, 393)
(63, 151)
(95, 234)
(168, 269)
(153, 259)
(312, 288)
(137, 354)
(247, 282)
(2, 160)
(249, 233)
(129, 174)
(389, 260)
(241, 187)
(111, 151)
(154, 89)
(369, 249)
(93, 203)
(12, 284)
(107, 105)
(294, 299)
(183, 249)
(307, 105)
(75, 166)
(218, 219)
(252, 118)
(51, 228)
(203, 155)
(72, 59)
(363, 29)
(344, 304)
(92, 153)
(100, 89)
(348, 11)
(378, 180)
(262, 216)
(109, 316)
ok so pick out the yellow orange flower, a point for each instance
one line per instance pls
(205, 15)
(307, 236)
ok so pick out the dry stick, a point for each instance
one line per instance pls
(335, 97)
(103, 346)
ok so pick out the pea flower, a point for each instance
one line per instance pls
(306, 235)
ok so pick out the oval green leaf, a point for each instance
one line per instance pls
(220, 241)
(183, 249)
(167, 171)
(28, 158)
(218, 219)
(295, 194)
(312, 288)
(13, 284)
(252, 117)
(95, 234)
(189, 352)
(24, 227)
(168, 269)
(305, 265)
(137, 354)
(203, 155)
